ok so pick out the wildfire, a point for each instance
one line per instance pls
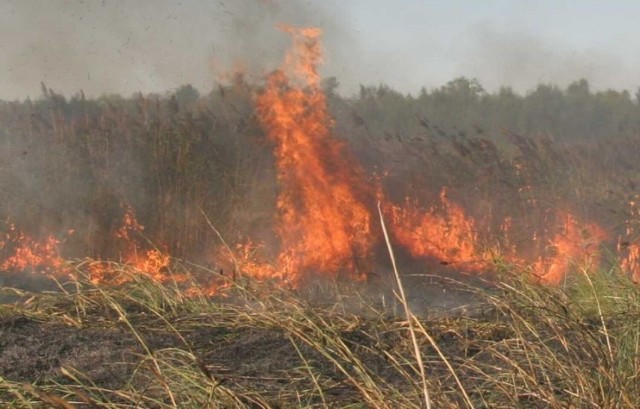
(152, 263)
(629, 249)
(574, 245)
(631, 263)
(24, 252)
(444, 233)
(324, 221)
(324, 224)
(129, 224)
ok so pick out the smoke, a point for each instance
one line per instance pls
(497, 53)
(123, 47)
(127, 46)
(522, 59)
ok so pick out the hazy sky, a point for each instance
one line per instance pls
(124, 46)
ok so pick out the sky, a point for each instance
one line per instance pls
(127, 46)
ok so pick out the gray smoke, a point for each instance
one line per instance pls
(125, 46)
(520, 59)
(149, 46)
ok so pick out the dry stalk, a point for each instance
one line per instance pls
(409, 315)
(224, 243)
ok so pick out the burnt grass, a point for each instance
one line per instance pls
(33, 351)
(523, 346)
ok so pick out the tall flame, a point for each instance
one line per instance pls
(323, 222)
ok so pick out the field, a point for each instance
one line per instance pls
(277, 245)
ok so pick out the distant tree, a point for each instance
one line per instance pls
(464, 88)
(542, 109)
(503, 109)
(454, 105)
(186, 94)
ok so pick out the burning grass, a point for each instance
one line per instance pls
(293, 189)
(333, 344)
(305, 315)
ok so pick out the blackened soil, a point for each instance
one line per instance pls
(241, 358)
(32, 351)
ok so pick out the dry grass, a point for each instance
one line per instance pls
(336, 345)
(148, 346)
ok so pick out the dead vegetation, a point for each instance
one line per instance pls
(159, 341)
(259, 345)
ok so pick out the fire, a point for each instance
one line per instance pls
(22, 253)
(324, 221)
(444, 233)
(324, 224)
(129, 224)
(572, 246)
(152, 263)
(631, 262)
(447, 234)
(138, 260)
(629, 250)
(25, 252)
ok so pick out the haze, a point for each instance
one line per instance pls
(106, 47)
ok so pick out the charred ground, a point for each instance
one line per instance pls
(144, 345)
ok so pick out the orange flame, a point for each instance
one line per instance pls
(629, 250)
(323, 223)
(630, 263)
(573, 246)
(129, 224)
(28, 253)
(152, 263)
(443, 233)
